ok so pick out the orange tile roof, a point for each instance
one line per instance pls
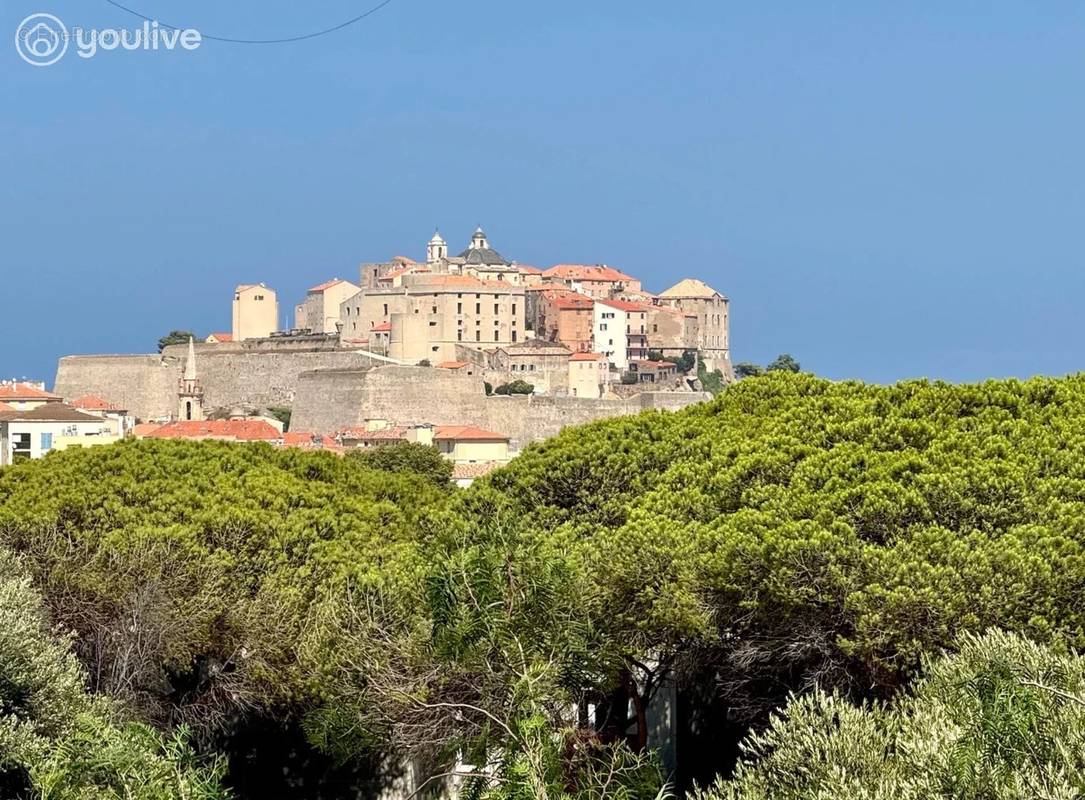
(528, 269)
(472, 471)
(4, 409)
(568, 300)
(586, 357)
(625, 305)
(144, 428)
(467, 433)
(222, 337)
(587, 272)
(383, 327)
(328, 285)
(417, 268)
(24, 391)
(311, 441)
(453, 364)
(92, 402)
(242, 430)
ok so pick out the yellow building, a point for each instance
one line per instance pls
(465, 444)
(256, 312)
(589, 375)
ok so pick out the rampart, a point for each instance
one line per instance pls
(328, 400)
(232, 375)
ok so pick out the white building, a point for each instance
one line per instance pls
(620, 331)
(53, 426)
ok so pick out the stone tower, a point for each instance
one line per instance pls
(479, 241)
(436, 250)
(190, 390)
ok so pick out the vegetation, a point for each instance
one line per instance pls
(793, 543)
(1003, 718)
(57, 742)
(281, 413)
(782, 363)
(629, 378)
(407, 458)
(175, 337)
(515, 387)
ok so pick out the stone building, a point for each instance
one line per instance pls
(543, 364)
(430, 315)
(255, 313)
(672, 331)
(560, 315)
(596, 281)
(24, 396)
(713, 319)
(481, 261)
(319, 312)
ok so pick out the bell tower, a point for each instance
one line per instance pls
(436, 250)
(190, 390)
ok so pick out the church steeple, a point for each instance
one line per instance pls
(436, 250)
(190, 390)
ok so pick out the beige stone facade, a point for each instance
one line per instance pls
(543, 364)
(589, 375)
(564, 316)
(255, 312)
(712, 311)
(431, 314)
(320, 310)
(671, 331)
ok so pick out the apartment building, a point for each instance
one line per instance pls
(620, 331)
(255, 312)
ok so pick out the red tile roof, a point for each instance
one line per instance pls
(587, 272)
(328, 285)
(467, 433)
(453, 364)
(383, 327)
(364, 435)
(311, 441)
(625, 305)
(530, 270)
(242, 430)
(586, 357)
(221, 337)
(144, 428)
(24, 391)
(563, 300)
(6, 409)
(92, 402)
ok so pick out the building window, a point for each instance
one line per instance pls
(478, 336)
(496, 309)
(386, 309)
(459, 336)
(433, 323)
(434, 311)
(478, 308)
(514, 336)
(459, 308)
(46, 442)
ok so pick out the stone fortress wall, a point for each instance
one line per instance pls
(244, 374)
(330, 388)
(328, 400)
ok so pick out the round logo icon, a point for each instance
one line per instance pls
(41, 40)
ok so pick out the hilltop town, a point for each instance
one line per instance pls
(475, 354)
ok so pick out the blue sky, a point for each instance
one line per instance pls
(885, 190)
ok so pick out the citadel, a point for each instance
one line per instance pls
(473, 341)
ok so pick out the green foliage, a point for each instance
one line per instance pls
(747, 370)
(489, 387)
(1002, 719)
(198, 564)
(281, 413)
(783, 363)
(629, 378)
(713, 381)
(175, 337)
(407, 457)
(685, 363)
(425, 362)
(518, 386)
(60, 744)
